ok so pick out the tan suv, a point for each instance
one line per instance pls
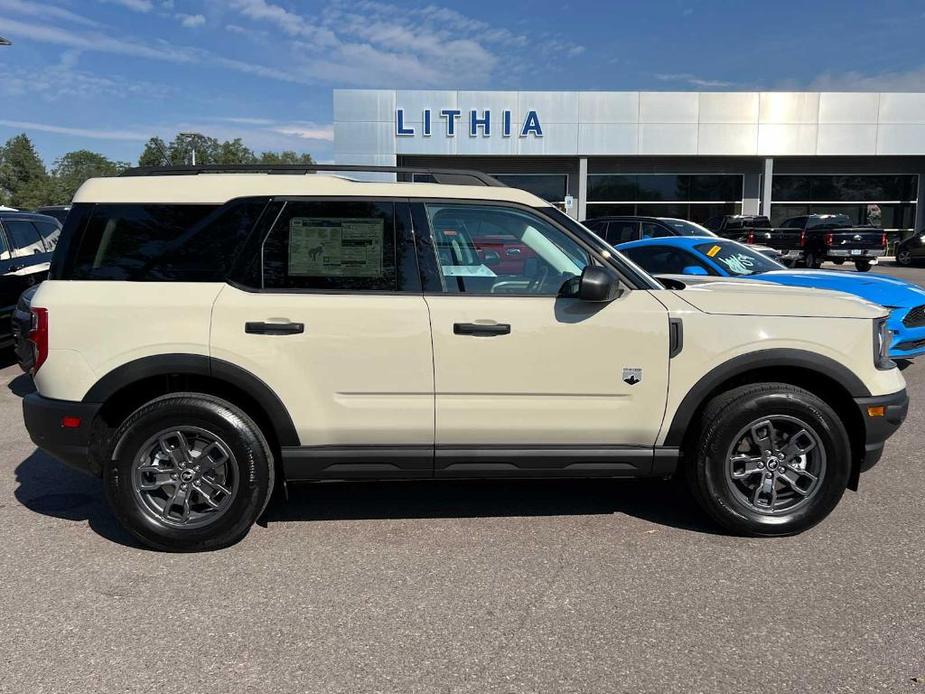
(207, 335)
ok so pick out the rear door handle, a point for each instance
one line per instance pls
(262, 328)
(489, 329)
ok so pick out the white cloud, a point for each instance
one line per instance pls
(96, 41)
(307, 131)
(891, 81)
(692, 80)
(135, 5)
(97, 134)
(191, 21)
(45, 12)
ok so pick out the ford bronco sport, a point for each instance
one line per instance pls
(208, 335)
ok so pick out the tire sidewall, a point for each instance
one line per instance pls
(712, 467)
(237, 432)
(904, 258)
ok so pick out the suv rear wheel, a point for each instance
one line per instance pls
(773, 459)
(189, 472)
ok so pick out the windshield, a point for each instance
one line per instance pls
(829, 221)
(682, 227)
(737, 259)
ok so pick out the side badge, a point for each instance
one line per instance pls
(632, 375)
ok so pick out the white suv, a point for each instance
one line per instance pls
(207, 335)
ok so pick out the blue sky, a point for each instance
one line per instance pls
(107, 74)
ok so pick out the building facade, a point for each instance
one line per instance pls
(679, 154)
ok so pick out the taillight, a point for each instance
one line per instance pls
(829, 239)
(802, 239)
(38, 336)
(750, 238)
(883, 239)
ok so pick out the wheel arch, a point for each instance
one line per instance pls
(121, 391)
(822, 376)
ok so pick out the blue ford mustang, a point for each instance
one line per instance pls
(701, 255)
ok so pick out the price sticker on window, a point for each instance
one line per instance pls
(713, 251)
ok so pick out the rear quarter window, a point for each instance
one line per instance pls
(161, 242)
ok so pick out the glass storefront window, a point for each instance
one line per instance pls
(664, 187)
(550, 187)
(848, 188)
(693, 212)
(892, 215)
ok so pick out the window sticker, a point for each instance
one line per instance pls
(335, 247)
(467, 271)
(740, 264)
(713, 251)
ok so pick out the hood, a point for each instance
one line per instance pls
(746, 297)
(879, 289)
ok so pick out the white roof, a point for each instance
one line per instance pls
(219, 188)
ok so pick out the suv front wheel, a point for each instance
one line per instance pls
(189, 472)
(773, 459)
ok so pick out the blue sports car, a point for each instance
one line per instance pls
(701, 255)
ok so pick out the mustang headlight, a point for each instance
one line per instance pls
(883, 338)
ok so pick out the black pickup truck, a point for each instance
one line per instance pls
(808, 238)
(834, 237)
(756, 230)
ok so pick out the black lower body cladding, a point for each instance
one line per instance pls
(880, 424)
(62, 428)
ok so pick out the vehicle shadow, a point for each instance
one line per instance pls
(656, 501)
(50, 488)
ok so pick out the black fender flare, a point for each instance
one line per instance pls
(763, 359)
(199, 365)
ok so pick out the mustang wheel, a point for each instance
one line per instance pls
(189, 472)
(904, 257)
(773, 459)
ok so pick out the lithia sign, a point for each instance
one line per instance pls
(448, 121)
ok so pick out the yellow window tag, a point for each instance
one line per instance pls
(713, 251)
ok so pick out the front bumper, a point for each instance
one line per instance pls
(907, 343)
(878, 428)
(43, 418)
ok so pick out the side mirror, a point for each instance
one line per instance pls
(694, 270)
(596, 284)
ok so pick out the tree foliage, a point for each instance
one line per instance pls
(25, 183)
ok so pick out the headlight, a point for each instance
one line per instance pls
(883, 338)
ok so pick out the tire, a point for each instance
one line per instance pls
(151, 468)
(732, 502)
(904, 257)
(838, 261)
(862, 265)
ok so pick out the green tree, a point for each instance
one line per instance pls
(153, 153)
(23, 180)
(285, 157)
(235, 152)
(71, 170)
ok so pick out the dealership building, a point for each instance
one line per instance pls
(675, 154)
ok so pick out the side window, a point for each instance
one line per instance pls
(664, 260)
(621, 232)
(498, 250)
(162, 242)
(651, 230)
(4, 248)
(50, 233)
(334, 246)
(24, 237)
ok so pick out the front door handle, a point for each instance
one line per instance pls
(262, 328)
(489, 329)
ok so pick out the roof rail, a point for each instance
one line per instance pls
(457, 176)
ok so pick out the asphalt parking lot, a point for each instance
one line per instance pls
(464, 587)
